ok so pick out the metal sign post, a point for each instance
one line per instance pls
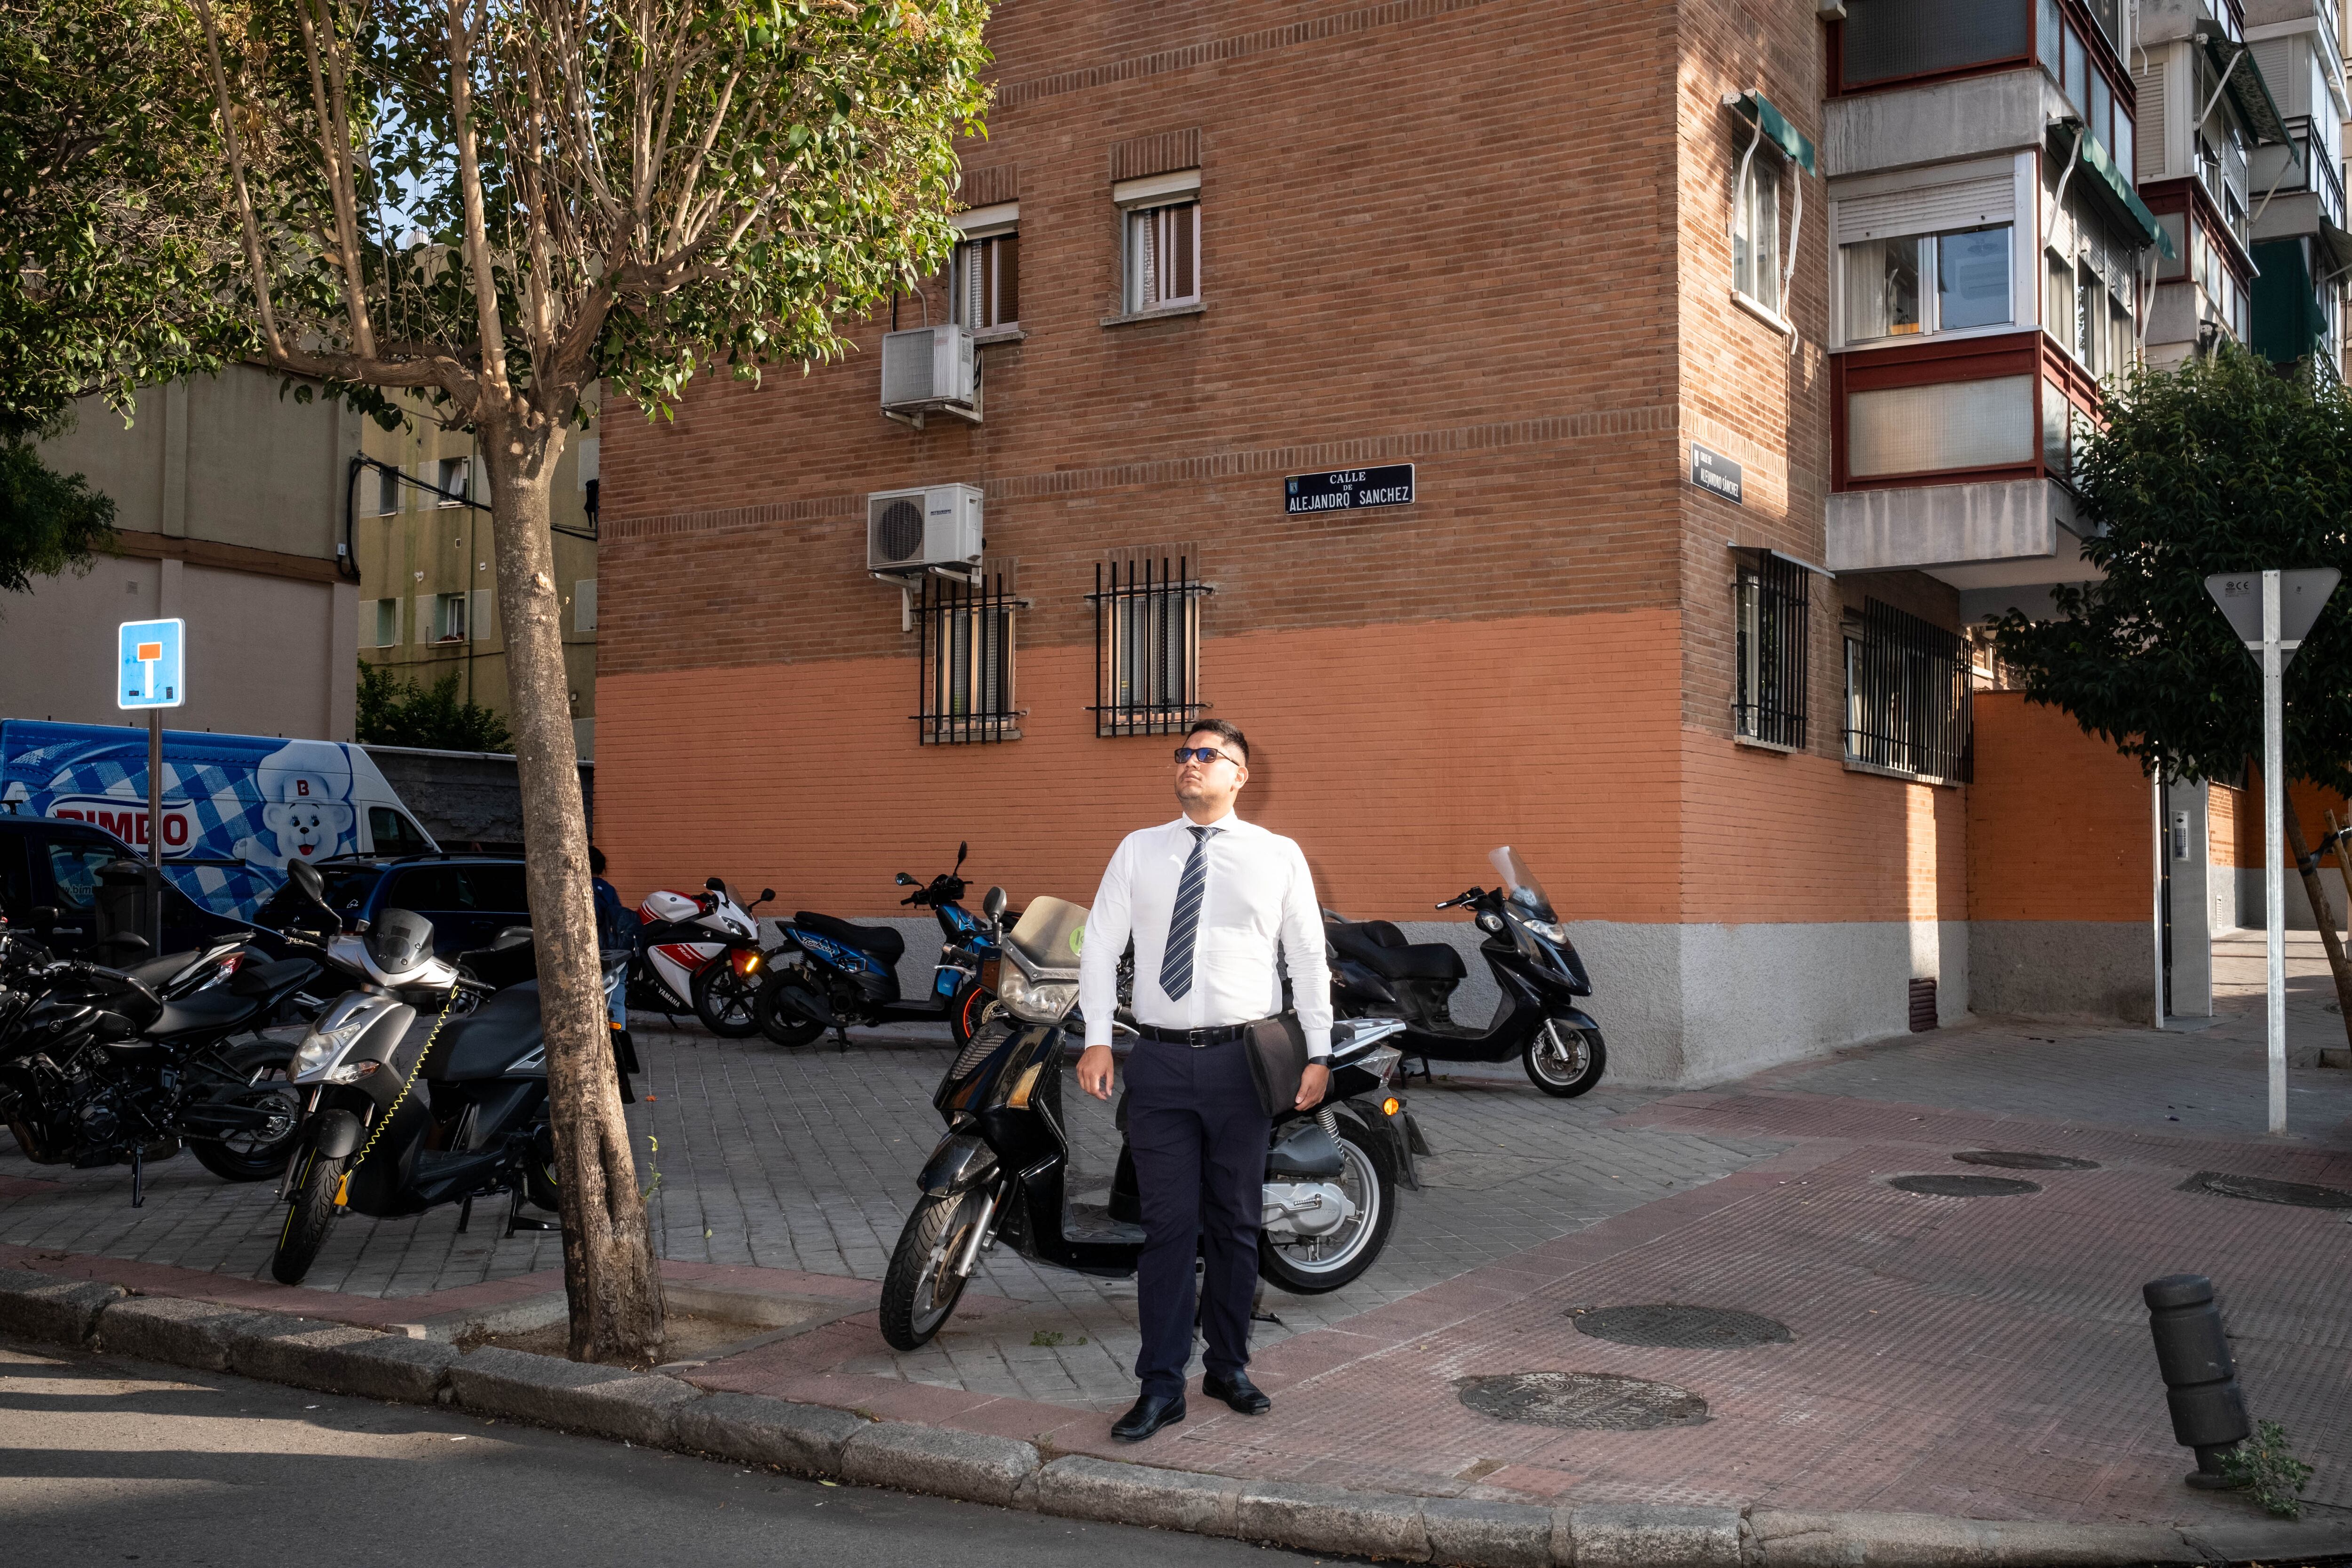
(2272, 612)
(151, 673)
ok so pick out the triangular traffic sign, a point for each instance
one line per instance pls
(2302, 596)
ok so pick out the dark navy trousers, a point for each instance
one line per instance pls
(1198, 1142)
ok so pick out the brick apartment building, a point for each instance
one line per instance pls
(1736, 348)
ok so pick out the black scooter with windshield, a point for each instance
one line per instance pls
(1003, 1171)
(1375, 973)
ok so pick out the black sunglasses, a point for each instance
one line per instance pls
(1205, 755)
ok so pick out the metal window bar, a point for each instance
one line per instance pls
(1774, 625)
(1907, 703)
(966, 665)
(1148, 645)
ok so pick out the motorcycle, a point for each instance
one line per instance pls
(1375, 973)
(829, 975)
(402, 1120)
(1002, 1172)
(100, 1066)
(699, 954)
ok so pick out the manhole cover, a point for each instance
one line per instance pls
(2258, 1189)
(1588, 1400)
(1680, 1328)
(2012, 1159)
(1937, 1187)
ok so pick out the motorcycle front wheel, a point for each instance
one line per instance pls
(921, 1289)
(265, 1066)
(1317, 1265)
(308, 1216)
(1563, 1060)
(726, 1001)
(974, 1011)
(779, 1022)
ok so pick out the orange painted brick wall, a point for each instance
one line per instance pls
(2310, 805)
(2059, 822)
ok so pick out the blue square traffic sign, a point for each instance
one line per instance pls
(149, 671)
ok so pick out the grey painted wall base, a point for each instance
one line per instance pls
(2298, 903)
(2101, 968)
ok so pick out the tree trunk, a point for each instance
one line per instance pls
(2337, 964)
(610, 1274)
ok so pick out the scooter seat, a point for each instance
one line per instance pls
(487, 1042)
(882, 942)
(201, 1013)
(1380, 947)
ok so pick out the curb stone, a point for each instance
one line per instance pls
(44, 1307)
(609, 1401)
(804, 1438)
(942, 1460)
(180, 1331)
(662, 1412)
(1328, 1518)
(1647, 1535)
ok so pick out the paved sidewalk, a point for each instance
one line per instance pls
(1981, 1356)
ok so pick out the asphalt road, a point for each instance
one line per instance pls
(105, 1461)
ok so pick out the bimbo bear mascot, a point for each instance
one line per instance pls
(302, 784)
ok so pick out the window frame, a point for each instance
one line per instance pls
(457, 494)
(1137, 201)
(381, 640)
(1148, 610)
(448, 628)
(977, 266)
(967, 669)
(1916, 675)
(1771, 625)
(1930, 271)
(1744, 219)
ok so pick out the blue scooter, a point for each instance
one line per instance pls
(827, 974)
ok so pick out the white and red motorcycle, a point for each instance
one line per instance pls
(699, 952)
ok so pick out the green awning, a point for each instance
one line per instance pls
(2287, 321)
(2110, 180)
(1758, 110)
(2247, 89)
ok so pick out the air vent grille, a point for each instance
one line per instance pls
(898, 530)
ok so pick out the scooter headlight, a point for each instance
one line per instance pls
(1035, 1002)
(1549, 932)
(321, 1049)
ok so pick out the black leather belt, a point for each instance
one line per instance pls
(1224, 1035)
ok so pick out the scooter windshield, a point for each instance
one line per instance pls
(1051, 935)
(1519, 881)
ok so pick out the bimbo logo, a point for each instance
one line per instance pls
(127, 819)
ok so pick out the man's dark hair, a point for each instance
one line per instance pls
(1224, 729)
(595, 861)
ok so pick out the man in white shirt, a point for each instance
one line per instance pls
(1210, 900)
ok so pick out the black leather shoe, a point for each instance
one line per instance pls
(1149, 1414)
(1239, 1391)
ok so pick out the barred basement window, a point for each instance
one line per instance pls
(1147, 643)
(967, 658)
(1907, 698)
(1774, 619)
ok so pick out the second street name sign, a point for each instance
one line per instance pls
(1348, 489)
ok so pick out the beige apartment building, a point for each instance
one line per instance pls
(229, 506)
(426, 601)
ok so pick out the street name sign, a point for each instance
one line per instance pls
(150, 670)
(1348, 489)
(1717, 475)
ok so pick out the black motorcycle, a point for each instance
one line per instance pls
(1375, 973)
(405, 1115)
(101, 1067)
(827, 974)
(1002, 1172)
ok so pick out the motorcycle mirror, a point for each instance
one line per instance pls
(715, 884)
(962, 851)
(767, 893)
(305, 876)
(904, 880)
(992, 903)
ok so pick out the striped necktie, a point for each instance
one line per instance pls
(1184, 925)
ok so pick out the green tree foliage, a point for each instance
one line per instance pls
(396, 712)
(49, 521)
(2223, 465)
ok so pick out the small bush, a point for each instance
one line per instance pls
(2265, 1463)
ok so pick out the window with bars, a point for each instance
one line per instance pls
(1770, 597)
(1163, 256)
(1906, 697)
(966, 630)
(1147, 643)
(985, 283)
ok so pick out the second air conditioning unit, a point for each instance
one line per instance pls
(930, 370)
(909, 533)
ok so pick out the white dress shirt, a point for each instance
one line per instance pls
(1260, 896)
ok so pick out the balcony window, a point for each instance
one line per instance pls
(1889, 40)
(1944, 426)
(1926, 284)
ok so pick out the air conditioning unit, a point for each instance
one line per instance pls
(909, 533)
(930, 370)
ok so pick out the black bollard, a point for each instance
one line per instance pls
(2201, 1379)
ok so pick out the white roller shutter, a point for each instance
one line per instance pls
(2149, 122)
(1930, 210)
